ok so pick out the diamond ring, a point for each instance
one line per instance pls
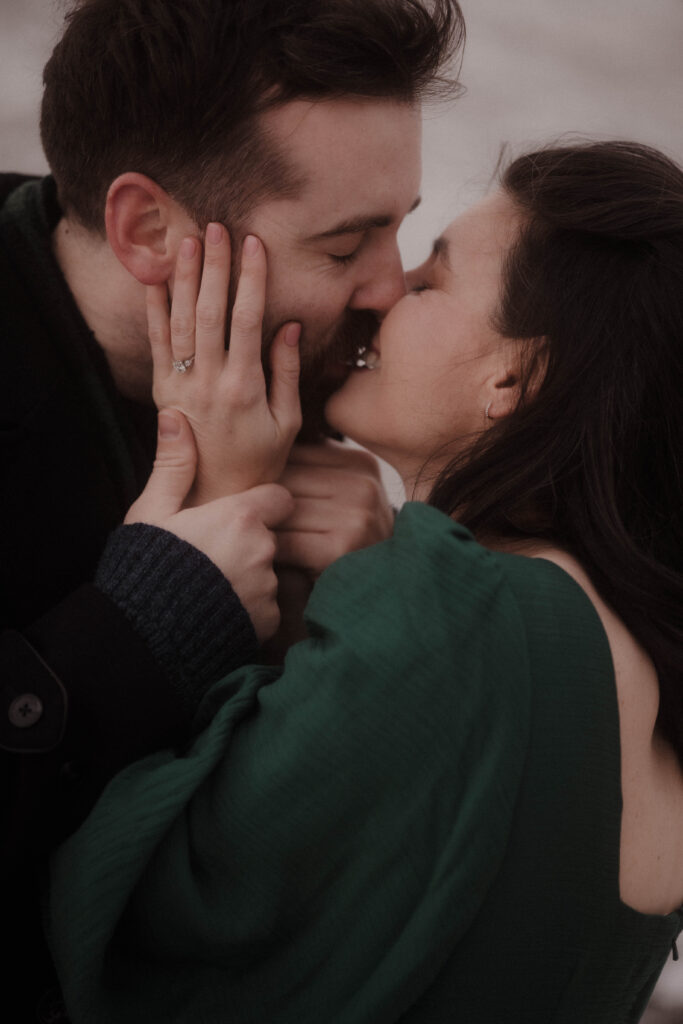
(182, 365)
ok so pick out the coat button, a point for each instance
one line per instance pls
(25, 711)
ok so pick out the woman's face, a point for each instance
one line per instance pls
(440, 364)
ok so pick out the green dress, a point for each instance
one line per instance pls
(417, 820)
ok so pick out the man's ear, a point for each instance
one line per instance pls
(522, 369)
(145, 227)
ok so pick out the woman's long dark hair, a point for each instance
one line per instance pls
(593, 459)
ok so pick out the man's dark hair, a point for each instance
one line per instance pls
(173, 89)
(593, 459)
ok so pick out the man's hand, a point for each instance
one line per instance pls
(234, 532)
(340, 505)
(243, 433)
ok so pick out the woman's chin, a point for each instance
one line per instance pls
(344, 413)
(337, 413)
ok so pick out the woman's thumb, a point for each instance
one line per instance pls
(175, 467)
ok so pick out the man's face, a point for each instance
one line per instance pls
(333, 258)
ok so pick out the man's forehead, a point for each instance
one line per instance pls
(297, 121)
(358, 161)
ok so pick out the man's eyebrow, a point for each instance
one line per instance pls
(358, 225)
(441, 250)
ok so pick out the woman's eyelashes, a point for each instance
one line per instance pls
(422, 286)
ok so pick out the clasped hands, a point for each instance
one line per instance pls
(214, 482)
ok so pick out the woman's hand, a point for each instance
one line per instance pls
(234, 532)
(243, 434)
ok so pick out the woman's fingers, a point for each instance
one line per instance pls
(212, 304)
(285, 405)
(159, 329)
(183, 306)
(244, 358)
(198, 314)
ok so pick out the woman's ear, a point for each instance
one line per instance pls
(145, 227)
(502, 394)
(520, 374)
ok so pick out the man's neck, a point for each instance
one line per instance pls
(112, 304)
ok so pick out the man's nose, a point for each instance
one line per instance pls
(383, 286)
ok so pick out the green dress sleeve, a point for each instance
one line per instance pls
(319, 851)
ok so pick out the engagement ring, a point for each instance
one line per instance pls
(182, 365)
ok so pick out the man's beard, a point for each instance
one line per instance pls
(325, 368)
(325, 365)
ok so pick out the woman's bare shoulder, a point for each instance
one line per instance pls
(651, 862)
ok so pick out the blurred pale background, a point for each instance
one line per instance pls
(534, 70)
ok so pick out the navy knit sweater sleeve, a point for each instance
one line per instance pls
(181, 605)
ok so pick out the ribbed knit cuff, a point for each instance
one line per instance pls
(180, 603)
